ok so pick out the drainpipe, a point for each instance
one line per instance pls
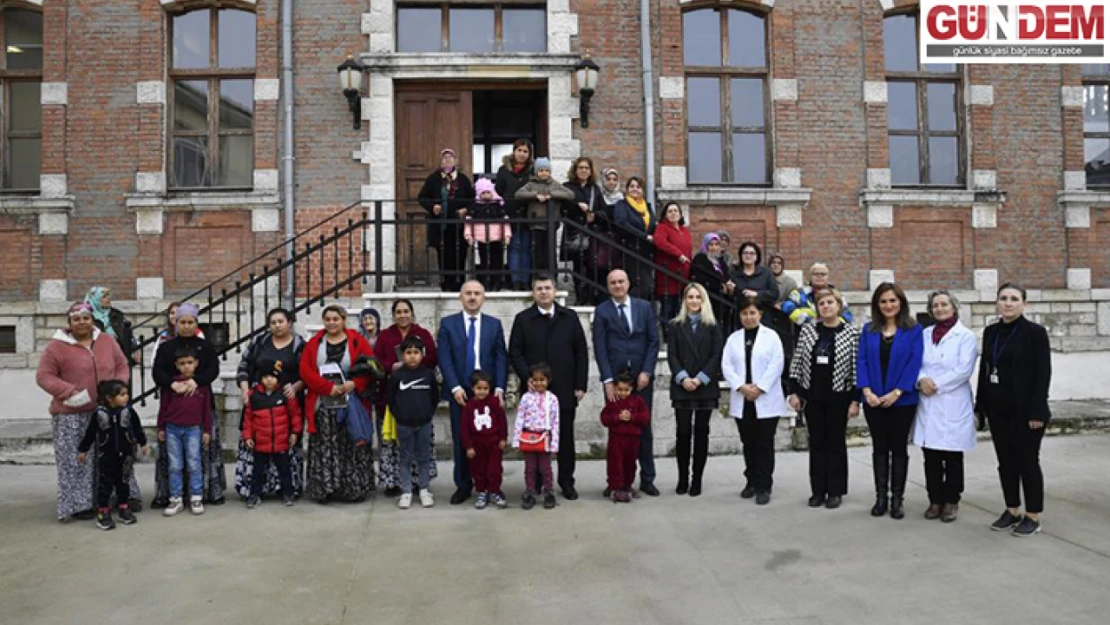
(649, 101)
(287, 158)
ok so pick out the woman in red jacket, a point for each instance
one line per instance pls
(387, 352)
(337, 468)
(673, 245)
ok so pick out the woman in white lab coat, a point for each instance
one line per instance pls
(945, 424)
(752, 364)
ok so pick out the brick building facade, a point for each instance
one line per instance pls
(800, 124)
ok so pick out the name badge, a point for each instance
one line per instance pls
(994, 378)
(822, 360)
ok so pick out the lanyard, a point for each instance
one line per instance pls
(998, 349)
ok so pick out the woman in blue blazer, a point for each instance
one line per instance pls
(890, 352)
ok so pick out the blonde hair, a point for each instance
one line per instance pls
(825, 292)
(809, 274)
(707, 316)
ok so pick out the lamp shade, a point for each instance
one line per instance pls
(350, 75)
(586, 74)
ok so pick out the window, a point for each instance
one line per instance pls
(1096, 125)
(501, 117)
(474, 28)
(924, 125)
(20, 99)
(7, 339)
(725, 54)
(212, 75)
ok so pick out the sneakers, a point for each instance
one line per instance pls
(127, 517)
(499, 501)
(104, 520)
(253, 501)
(549, 500)
(287, 501)
(1027, 527)
(405, 502)
(624, 495)
(426, 498)
(174, 507)
(482, 500)
(528, 501)
(1005, 522)
(196, 506)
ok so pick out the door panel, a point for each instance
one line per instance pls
(427, 122)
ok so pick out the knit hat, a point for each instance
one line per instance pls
(188, 309)
(270, 367)
(483, 185)
(447, 151)
(543, 163)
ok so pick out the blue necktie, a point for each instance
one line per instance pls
(471, 360)
(625, 319)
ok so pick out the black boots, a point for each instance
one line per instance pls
(898, 470)
(880, 463)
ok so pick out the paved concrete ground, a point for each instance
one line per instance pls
(716, 559)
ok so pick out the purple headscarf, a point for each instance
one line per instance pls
(705, 241)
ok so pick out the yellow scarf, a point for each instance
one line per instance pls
(640, 206)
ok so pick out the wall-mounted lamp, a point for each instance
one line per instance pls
(350, 80)
(586, 74)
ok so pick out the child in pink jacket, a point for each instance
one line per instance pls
(488, 226)
(537, 417)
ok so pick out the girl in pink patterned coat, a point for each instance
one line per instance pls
(537, 417)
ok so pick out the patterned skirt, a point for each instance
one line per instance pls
(244, 469)
(337, 469)
(211, 466)
(389, 461)
(76, 482)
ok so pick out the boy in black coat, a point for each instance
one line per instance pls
(413, 397)
(115, 428)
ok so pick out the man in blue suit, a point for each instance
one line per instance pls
(468, 341)
(626, 336)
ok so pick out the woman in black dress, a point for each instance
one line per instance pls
(710, 270)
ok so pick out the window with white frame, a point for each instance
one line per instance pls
(472, 27)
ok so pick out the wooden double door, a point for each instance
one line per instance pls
(472, 119)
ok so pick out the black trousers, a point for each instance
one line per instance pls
(262, 466)
(827, 422)
(758, 437)
(113, 475)
(1019, 461)
(890, 429)
(944, 475)
(491, 263)
(566, 456)
(452, 258)
(647, 440)
(541, 250)
(684, 419)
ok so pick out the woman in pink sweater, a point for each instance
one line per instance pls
(73, 363)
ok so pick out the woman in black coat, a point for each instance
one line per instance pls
(710, 270)
(588, 203)
(446, 195)
(752, 279)
(515, 172)
(694, 346)
(635, 223)
(1012, 395)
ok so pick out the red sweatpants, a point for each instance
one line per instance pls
(620, 460)
(485, 466)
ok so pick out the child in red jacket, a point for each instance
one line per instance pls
(270, 428)
(625, 418)
(485, 434)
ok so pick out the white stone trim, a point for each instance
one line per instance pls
(886, 4)
(986, 282)
(39, 2)
(382, 43)
(748, 196)
(1077, 216)
(53, 223)
(56, 93)
(149, 221)
(150, 92)
(1071, 96)
(797, 274)
(150, 288)
(984, 215)
(768, 3)
(875, 277)
(1079, 278)
(468, 66)
(878, 178)
(880, 216)
(787, 178)
(874, 92)
(784, 89)
(52, 185)
(1075, 180)
(265, 220)
(53, 291)
(265, 179)
(672, 177)
(365, 106)
(789, 215)
(562, 25)
(953, 198)
(981, 95)
(203, 201)
(266, 89)
(984, 179)
(150, 181)
(672, 87)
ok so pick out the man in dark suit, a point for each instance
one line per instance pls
(467, 341)
(626, 336)
(550, 333)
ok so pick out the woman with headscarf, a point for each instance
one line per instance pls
(111, 320)
(777, 263)
(170, 330)
(370, 325)
(388, 354)
(74, 361)
(635, 225)
(280, 347)
(726, 253)
(446, 195)
(164, 370)
(515, 171)
(709, 270)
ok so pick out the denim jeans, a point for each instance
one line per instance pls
(183, 446)
(415, 443)
(520, 256)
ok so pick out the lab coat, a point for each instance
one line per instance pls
(946, 421)
(767, 364)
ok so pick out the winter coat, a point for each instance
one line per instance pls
(671, 242)
(270, 419)
(762, 281)
(1028, 389)
(591, 196)
(538, 413)
(611, 416)
(114, 430)
(534, 209)
(316, 384)
(845, 351)
(67, 368)
(122, 327)
(507, 183)
(487, 222)
(767, 364)
(561, 343)
(629, 228)
(432, 193)
(248, 364)
(695, 354)
(946, 420)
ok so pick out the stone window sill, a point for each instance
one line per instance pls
(203, 200)
(53, 212)
(1093, 197)
(448, 63)
(961, 198)
(752, 196)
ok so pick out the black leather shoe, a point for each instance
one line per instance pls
(607, 493)
(569, 493)
(896, 510)
(762, 498)
(695, 488)
(816, 501)
(682, 488)
(649, 489)
(880, 507)
(459, 497)
(833, 502)
(747, 493)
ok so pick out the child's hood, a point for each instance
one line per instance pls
(483, 185)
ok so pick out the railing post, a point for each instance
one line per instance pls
(378, 246)
(552, 254)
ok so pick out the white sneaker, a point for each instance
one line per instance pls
(426, 498)
(196, 506)
(405, 501)
(175, 506)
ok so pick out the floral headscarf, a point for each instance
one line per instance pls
(101, 314)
